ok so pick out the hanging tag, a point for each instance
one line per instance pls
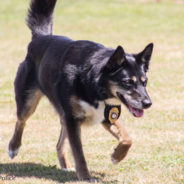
(112, 113)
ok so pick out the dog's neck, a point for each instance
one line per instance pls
(112, 101)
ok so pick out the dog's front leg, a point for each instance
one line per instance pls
(73, 128)
(73, 132)
(122, 136)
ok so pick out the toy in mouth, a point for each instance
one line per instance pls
(135, 111)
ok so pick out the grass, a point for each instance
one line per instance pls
(156, 156)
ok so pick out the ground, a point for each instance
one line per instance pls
(157, 154)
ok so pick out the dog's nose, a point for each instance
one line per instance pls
(146, 103)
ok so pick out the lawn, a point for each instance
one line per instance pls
(157, 154)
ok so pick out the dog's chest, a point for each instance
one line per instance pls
(92, 115)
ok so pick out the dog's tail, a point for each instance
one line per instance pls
(39, 17)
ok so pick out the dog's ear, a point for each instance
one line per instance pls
(144, 57)
(116, 60)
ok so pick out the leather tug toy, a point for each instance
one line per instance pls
(112, 114)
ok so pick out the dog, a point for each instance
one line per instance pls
(79, 78)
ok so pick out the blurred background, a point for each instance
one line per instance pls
(157, 154)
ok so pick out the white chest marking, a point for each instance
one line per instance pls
(93, 115)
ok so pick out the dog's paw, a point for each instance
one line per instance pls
(68, 169)
(114, 161)
(12, 153)
(92, 180)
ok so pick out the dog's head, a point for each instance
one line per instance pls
(127, 78)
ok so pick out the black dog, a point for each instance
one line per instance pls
(79, 78)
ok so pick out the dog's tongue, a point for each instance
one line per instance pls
(136, 112)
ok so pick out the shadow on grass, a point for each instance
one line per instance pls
(41, 171)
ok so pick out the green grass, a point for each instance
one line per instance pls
(157, 154)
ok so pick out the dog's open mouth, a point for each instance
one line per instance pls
(136, 112)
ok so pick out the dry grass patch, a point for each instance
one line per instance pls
(156, 156)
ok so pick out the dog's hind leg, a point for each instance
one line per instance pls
(27, 98)
(27, 109)
(62, 150)
(122, 136)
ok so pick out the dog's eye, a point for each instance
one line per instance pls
(128, 83)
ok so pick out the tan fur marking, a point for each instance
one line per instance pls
(85, 113)
(77, 110)
(114, 88)
(143, 79)
(113, 101)
(31, 104)
(29, 108)
(62, 149)
(134, 78)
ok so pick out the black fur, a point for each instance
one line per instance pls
(39, 18)
(62, 68)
